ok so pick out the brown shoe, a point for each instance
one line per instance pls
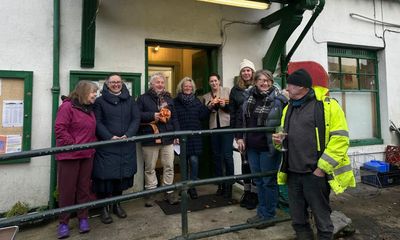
(171, 198)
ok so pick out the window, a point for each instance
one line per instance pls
(15, 112)
(353, 81)
(132, 80)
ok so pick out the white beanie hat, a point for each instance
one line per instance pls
(247, 63)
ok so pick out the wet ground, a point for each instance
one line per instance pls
(375, 214)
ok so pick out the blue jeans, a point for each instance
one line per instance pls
(223, 154)
(193, 163)
(267, 187)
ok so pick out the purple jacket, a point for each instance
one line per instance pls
(74, 125)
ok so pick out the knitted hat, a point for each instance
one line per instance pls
(247, 63)
(300, 78)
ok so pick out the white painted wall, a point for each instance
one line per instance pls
(26, 44)
(121, 29)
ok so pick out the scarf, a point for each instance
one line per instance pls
(262, 110)
(186, 99)
(305, 98)
(160, 97)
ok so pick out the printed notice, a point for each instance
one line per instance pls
(13, 111)
(10, 143)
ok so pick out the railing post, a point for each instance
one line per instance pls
(184, 176)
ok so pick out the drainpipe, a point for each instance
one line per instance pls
(317, 11)
(56, 94)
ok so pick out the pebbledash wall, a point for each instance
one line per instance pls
(122, 26)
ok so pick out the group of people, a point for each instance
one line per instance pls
(315, 162)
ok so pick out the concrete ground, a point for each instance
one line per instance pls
(375, 213)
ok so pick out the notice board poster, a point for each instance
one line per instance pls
(10, 143)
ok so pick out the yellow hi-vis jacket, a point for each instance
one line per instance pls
(334, 160)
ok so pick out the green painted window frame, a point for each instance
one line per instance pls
(27, 77)
(357, 53)
(134, 78)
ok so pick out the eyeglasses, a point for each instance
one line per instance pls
(115, 82)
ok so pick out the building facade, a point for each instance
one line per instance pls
(355, 41)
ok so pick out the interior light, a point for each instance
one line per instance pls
(240, 3)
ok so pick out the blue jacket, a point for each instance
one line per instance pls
(115, 116)
(190, 116)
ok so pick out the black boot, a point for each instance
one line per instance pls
(228, 191)
(117, 210)
(245, 199)
(193, 193)
(220, 190)
(105, 216)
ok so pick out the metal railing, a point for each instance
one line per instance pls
(182, 186)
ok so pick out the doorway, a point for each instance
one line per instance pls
(176, 61)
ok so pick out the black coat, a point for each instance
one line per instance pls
(190, 116)
(236, 99)
(148, 106)
(115, 116)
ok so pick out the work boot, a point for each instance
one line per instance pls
(244, 199)
(171, 198)
(252, 201)
(117, 210)
(220, 190)
(193, 193)
(105, 216)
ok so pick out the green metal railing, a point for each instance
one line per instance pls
(182, 186)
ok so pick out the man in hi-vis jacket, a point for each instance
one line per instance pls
(316, 159)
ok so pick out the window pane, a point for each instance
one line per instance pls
(367, 82)
(367, 66)
(349, 65)
(350, 81)
(360, 110)
(334, 81)
(333, 64)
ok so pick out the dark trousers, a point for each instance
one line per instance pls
(309, 191)
(74, 185)
(223, 154)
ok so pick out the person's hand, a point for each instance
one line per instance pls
(241, 146)
(156, 116)
(115, 138)
(123, 137)
(221, 102)
(319, 173)
(276, 138)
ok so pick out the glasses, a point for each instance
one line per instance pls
(115, 82)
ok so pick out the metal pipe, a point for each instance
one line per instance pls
(56, 94)
(318, 10)
(71, 148)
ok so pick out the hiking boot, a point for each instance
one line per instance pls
(62, 231)
(252, 201)
(117, 210)
(84, 225)
(255, 219)
(105, 216)
(193, 193)
(244, 199)
(171, 198)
